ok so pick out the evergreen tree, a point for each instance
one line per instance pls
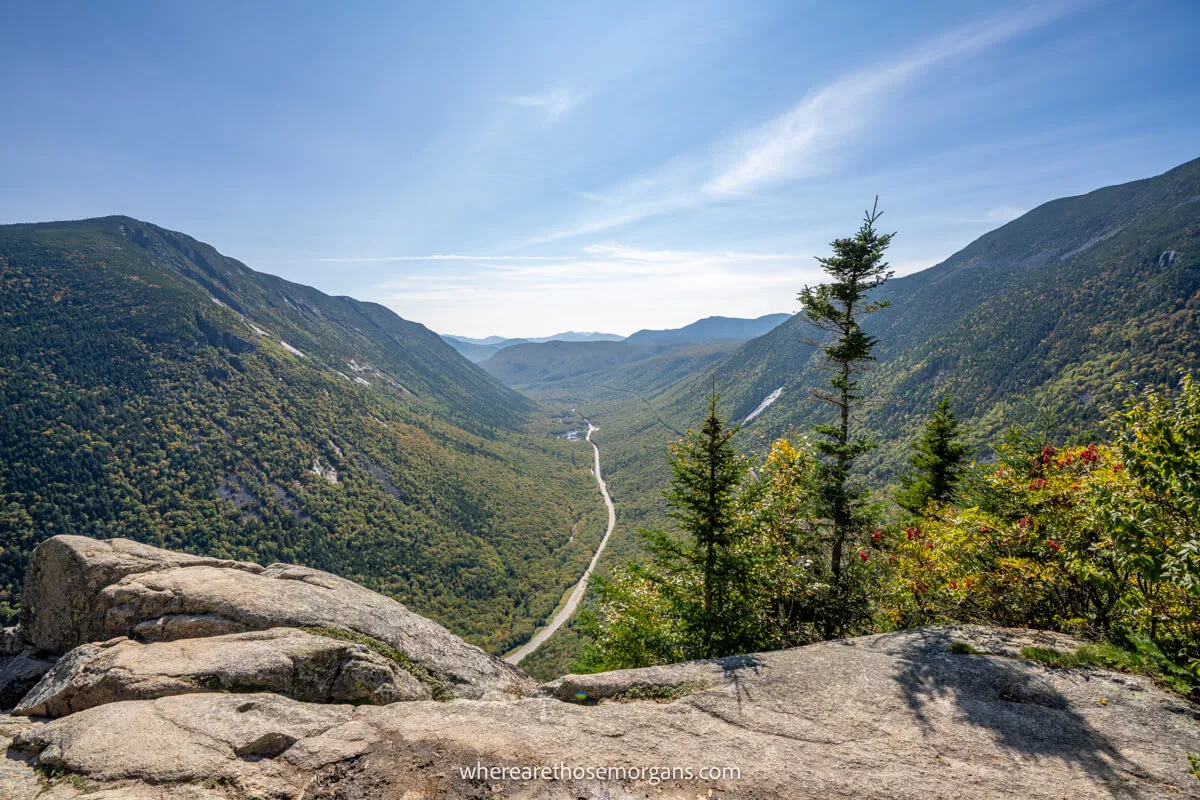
(937, 461)
(690, 598)
(705, 473)
(857, 268)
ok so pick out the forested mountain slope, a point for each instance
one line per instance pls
(1043, 316)
(1054, 307)
(1034, 323)
(527, 366)
(154, 389)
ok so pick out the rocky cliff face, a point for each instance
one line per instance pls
(80, 590)
(184, 677)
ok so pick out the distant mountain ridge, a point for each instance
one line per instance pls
(538, 369)
(478, 350)
(712, 330)
(707, 331)
(565, 336)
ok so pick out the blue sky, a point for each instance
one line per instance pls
(527, 168)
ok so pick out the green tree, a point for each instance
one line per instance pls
(1158, 528)
(690, 597)
(786, 545)
(857, 268)
(705, 473)
(937, 461)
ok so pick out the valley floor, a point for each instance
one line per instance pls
(568, 610)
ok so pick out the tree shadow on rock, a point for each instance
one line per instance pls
(733, 668)
(1023, 710)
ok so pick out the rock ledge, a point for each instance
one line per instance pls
(211, 691)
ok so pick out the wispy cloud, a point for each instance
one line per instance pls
(611, 266)
(639, 255)
(605, 283)
(807, 140)
(437, 257)
(800, 142)
(991, 217)
(1002, 214)
(553, 104)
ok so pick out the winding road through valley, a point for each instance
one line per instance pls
(568, 610)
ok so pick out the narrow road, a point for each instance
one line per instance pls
(568, 610)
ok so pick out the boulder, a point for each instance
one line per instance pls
(290, 662)
(185, 740)
(80, 590)
(20, 780)
(893, 715)
(66, 573)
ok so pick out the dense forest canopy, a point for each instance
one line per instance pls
(152, 389)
